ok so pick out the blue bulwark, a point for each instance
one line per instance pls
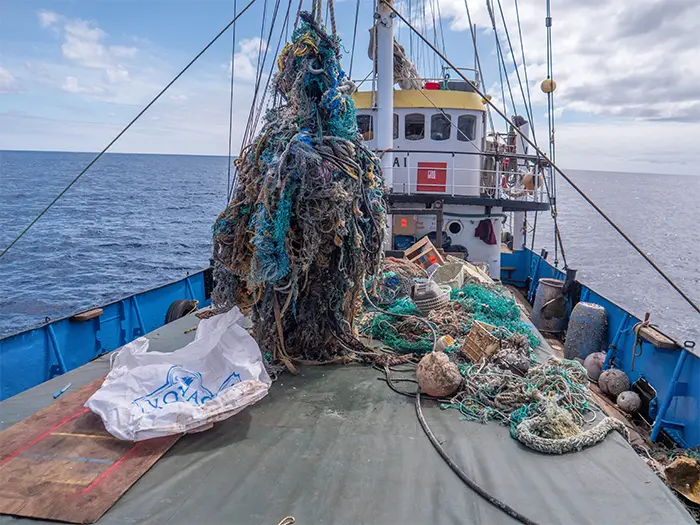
(36, 355)
(673, 373)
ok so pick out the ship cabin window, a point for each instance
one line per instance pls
(440, 126)
(365, 127)
(466, 125)
(415, 126)
(396, 126)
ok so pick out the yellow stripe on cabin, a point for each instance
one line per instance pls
(425, 99)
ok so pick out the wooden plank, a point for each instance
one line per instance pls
(61, 464)
(86, 316)
(657, 338)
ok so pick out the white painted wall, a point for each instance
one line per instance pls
(463, 171)
(479, 251)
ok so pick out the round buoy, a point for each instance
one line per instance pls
(530, 180)
(629, 401)
(594, 365)
(437, 375)
(548, 85)
(613, 382)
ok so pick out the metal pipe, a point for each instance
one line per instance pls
(658, 422)
(385, 88)
(57, 349)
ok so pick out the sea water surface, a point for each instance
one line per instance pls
(136, 221)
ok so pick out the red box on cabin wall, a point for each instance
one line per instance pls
(432, 176)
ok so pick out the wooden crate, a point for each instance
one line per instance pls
(480, 342)
(424, 254)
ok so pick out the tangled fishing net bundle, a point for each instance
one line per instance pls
(545, 405)
(306, 222)
(472, 302)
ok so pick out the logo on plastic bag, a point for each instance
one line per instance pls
(182, 386)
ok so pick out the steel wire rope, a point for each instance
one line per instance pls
(126, 128)
(253, 120)
(501, 59)
(354, 38)
(528, 109)
(272, 65)
(550, 119)
(568, 179)
(296, 18)
(478, 59)
(230, 110)
(522, 54)
(247, 135)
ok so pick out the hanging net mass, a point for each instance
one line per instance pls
(307, 218)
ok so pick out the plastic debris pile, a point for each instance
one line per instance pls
(470, 303)
(306, 222)
(545, 406)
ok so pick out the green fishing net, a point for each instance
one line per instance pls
(470, 303)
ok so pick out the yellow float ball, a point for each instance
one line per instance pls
(485, 100)
(529, 181)
(548, 85)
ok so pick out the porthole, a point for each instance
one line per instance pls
(454, 227)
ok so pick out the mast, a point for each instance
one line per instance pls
(384, 126)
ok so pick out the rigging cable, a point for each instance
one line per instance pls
(502, 60)
(247, 135)
(266, 90)
(354, 38)
(254, 120)
(124, 130)
(522, 54)
(296, 19)
(553, 165)
(230, 109)
(331, 12)
(528, 109)
(550, 118)
(472, 29)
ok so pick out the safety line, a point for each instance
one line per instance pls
(99, 155)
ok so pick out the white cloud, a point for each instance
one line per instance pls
(47, 18)
(123, 51)
(83, 45)
(178, 98)
(71, 85)
(8, 82)
(618, 59)
(246, 58)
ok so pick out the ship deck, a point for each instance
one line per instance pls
(335, 445)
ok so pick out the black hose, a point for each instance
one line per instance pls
(468, 482)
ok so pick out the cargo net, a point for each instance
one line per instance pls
(306, 222)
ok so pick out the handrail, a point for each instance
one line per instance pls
(494, 154)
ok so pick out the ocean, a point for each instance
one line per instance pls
(136, 221)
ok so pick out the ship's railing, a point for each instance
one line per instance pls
(441, 79)
(499, 176)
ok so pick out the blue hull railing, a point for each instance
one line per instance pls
(673, 373)
(33, 356)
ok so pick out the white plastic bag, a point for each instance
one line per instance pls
(153, 394)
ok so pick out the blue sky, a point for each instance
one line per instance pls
(73, 72)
